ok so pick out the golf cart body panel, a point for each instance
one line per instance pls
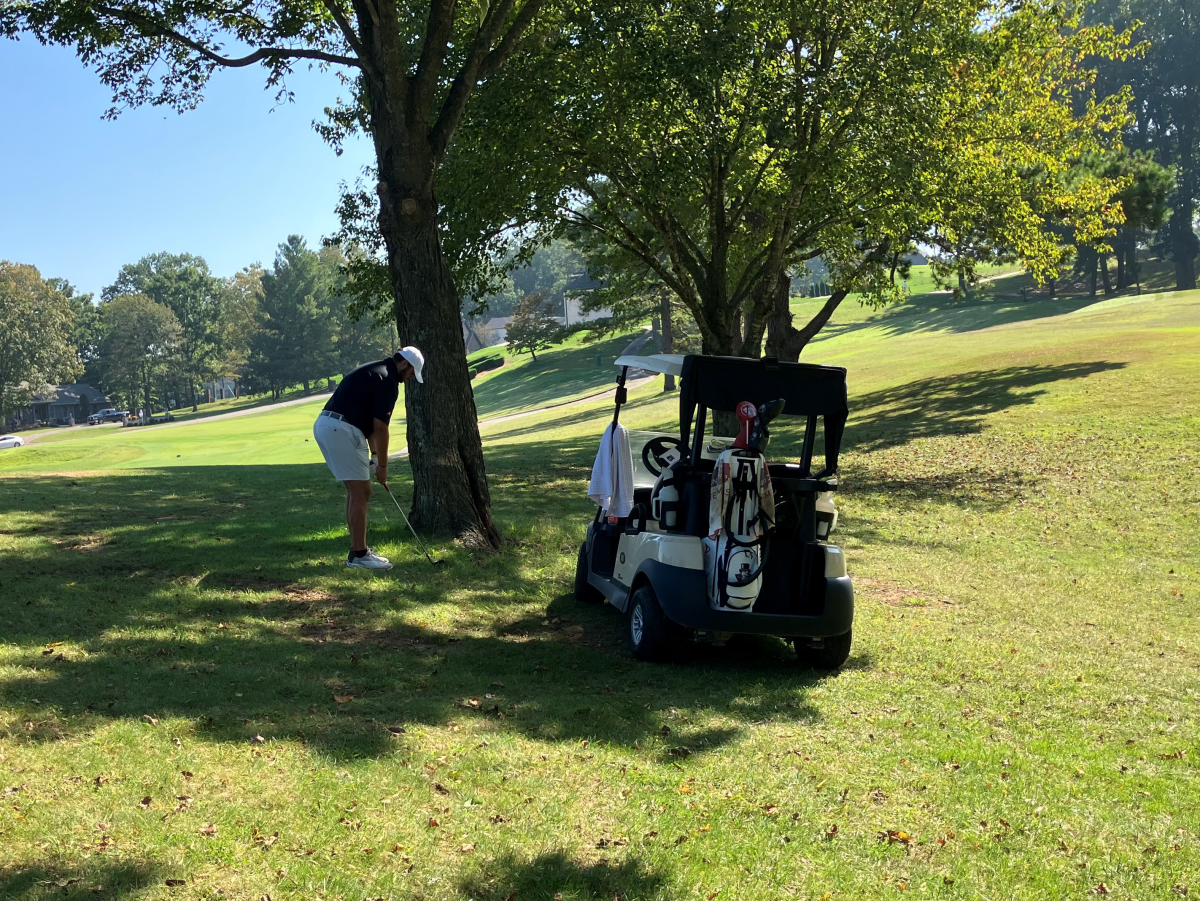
(674, 566)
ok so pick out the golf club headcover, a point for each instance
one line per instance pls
(746, 414)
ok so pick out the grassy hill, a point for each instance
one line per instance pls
(193, 688)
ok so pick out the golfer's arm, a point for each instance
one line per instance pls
(379, 440)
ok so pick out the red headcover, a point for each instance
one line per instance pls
(747, 413)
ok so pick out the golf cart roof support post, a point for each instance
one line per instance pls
(810, 438)
(622, 396)
(696, 441)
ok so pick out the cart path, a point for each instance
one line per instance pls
(216, 417)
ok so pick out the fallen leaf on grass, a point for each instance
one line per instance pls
(440, 789)
(145, 802)
(467, 848)
(832, 831)
(896, 836)
(343, 699)
(265, 841)
(681, 839)
(685, 789)
(434, 823)
(257, 740)
(175, 883)
(396, 730)
(771, 810)
(210, 829)
(497, 819)
(1101, 889)
(681, 752)
(351, 824)
(149, 719)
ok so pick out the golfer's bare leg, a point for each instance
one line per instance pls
(358, 494)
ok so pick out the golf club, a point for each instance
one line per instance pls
(410, 528)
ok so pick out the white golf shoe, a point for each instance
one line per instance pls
(371, 561)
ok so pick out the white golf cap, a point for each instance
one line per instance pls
(415, 358)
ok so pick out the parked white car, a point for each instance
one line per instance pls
(7, 441)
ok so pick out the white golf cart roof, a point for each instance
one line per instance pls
(669, 364)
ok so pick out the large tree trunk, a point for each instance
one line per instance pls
(1103, 263)
(1122, 242)
(1183, 243)
(450, 482)
(784, 340)
(668, 336)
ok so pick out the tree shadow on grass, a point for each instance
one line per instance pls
(942, 313)
(96, 880)
(952, 405)
(219, 596)
(554, 874)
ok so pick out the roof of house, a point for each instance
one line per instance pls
(71, 395)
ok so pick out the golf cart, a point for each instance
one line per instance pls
(718, 540)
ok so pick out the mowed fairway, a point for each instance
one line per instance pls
(198, 701)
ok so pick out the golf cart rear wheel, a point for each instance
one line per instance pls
(830, 655)
(651, 635)
(584, 591)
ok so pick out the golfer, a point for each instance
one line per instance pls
(352, 432)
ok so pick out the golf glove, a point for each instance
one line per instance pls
(371, 465)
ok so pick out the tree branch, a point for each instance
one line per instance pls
(482, 59)
(343, 23)
(433, 54)
(151, 28)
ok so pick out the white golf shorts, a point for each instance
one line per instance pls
(345, 449)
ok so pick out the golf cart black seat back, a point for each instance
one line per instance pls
(815, 393)
(679, 574)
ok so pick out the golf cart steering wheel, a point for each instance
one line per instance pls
(654, 448)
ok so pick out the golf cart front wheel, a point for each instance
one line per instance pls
(827, 654)
(584, 590)
(651, 635)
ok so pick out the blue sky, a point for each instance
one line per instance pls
(229, 181)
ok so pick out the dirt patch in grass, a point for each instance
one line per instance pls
(893, 595)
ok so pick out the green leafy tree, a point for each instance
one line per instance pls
(1143, 198)
(238, 322)
(533, 327)
(294, 340)
(139, 346)
(1165, 81)
(413, 68)
(183, 283)
(37, 324)
(723, 144)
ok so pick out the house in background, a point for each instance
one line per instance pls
(63, 403)
(219, 389)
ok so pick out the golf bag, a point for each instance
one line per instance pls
(741, 512)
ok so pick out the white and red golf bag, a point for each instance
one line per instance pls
(741, 512)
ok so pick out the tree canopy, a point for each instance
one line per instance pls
(721, 144)
(138, 350)
(37, 324)
(1165, 81)
(183, 284)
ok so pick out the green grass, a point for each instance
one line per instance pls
(1020, 511)
(566, 372)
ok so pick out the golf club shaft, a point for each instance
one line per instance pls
(409, 524)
